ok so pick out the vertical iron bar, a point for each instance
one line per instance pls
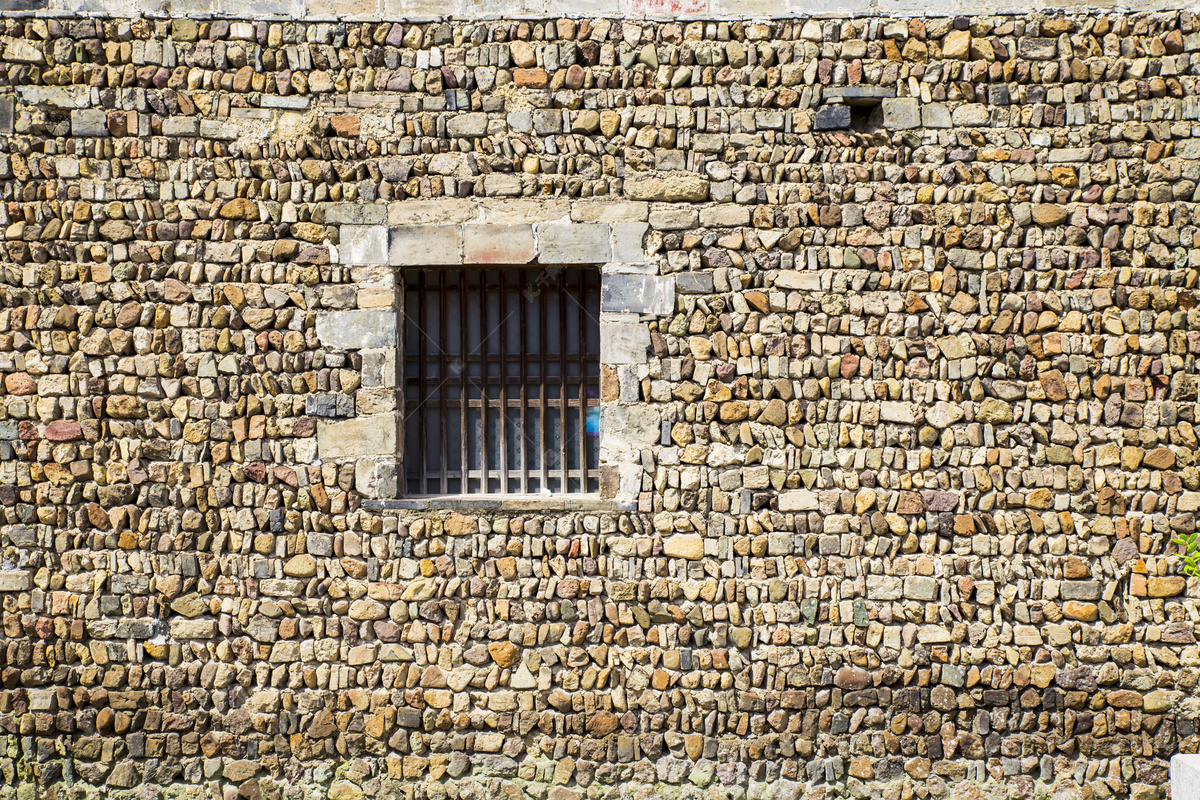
(523, 389)
(483, 394)
(463, 482)
(422, 384)
(582, 450)
(562, 376)
(442, 391)
(543, 385)
(402, 345)
(502, 277)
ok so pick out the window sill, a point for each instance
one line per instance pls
(505, 503)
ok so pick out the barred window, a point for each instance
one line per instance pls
(501, 381)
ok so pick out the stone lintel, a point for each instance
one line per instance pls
(498, 244)
(425, 246)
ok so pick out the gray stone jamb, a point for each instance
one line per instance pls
(632, 293)
(1185, 776)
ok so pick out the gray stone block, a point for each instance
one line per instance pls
(725, 215)
(831, 118)
(901, 113)
(547, 121)
(15, 581)
(24, 52)
(355, 438)
(935, 115)
(376, 477)
(293, 102)
(568, 243)
(470, 125)
(615, 211)
(630, 425)
(673, 218)
(623, 342)
(70, 97)
(425, 246)
(639, 294)
(89, 122)
(1079, 590)
(215, 129)
(358, 329)
(799, 500)
(7, 106)
(860, 95)
(971, 114)
(355, 214)
(499, 184)
(498, 244)
(181, 126)
(1185, 777)
(694, 282)
(363, 245)
(627, 238)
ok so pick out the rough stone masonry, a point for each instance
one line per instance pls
(899, 392)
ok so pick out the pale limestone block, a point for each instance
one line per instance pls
(357, 329)
(426, 246)
(353, 438)
(498, 244)
(363, 245)
(573, 243)
(640, 294)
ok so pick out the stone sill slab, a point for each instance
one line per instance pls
(504, 503)
(681, 10)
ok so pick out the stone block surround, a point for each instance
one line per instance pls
(898, 395)
(512, 237)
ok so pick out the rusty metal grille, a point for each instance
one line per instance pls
(501, 381)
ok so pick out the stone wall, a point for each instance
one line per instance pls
(902, 413)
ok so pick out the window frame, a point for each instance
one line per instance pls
(590, 374)
(374, 240)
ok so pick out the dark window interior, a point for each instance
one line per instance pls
(501, 381)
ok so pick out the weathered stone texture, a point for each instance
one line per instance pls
(900, 344)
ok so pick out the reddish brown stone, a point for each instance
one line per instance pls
(346, 125)
(62, 430)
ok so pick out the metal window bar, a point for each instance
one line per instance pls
(502, 389)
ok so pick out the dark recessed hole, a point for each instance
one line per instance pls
(866, 118)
